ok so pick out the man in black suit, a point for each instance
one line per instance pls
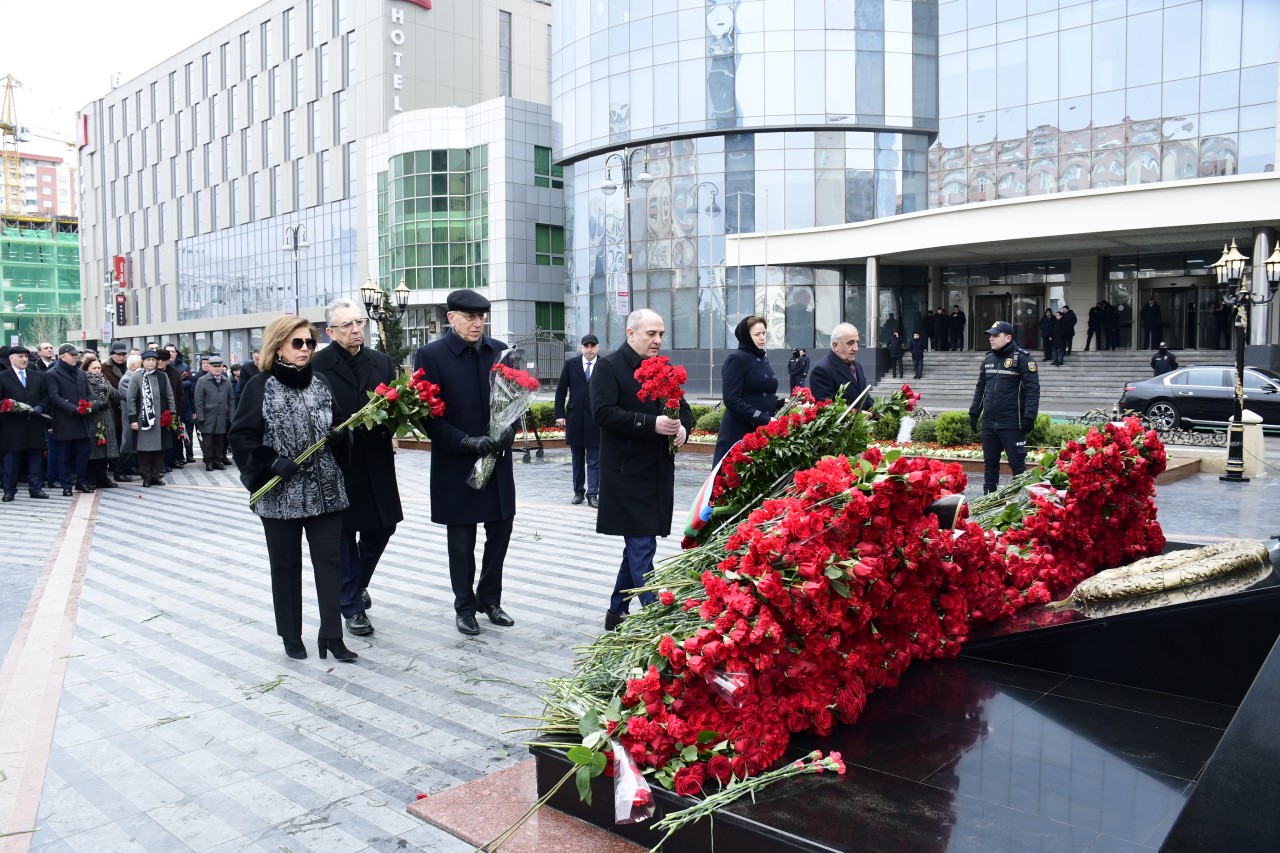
(22, 433)
(637, 467)
(374, 511)
(840, 369)
(460, 363)
(67, 385)
(580, 430)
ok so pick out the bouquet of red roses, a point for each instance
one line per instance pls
(403, 407)
(84, 407)
(10, 406)
(510, 392)
(661, 380)
(166, 419)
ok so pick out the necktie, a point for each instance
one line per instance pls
(22, 377)
(589, 365)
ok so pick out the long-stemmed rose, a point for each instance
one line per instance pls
(403, 407)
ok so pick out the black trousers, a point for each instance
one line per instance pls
(284, 552)
(34, 460)
(895, 364)
(151, 464)
(213, 446)
(462, 565)
(917, 361)
(1014, 444)
(361, 551)
(73, 458)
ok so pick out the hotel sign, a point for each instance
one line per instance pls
(397, 36)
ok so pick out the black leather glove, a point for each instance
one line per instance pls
(98, 407)
(973, 424)
(284, 467)
(508, 437)
(36, 410)
(338, 438)
(480, 445)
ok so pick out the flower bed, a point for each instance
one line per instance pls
(817, 577)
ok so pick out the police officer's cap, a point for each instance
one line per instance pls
(467, 301)
(1001, 328)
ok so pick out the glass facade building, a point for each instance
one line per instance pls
(760, 116)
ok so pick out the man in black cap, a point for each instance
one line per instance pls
(22, 433)
(460, 363)
(68, 387)
(354, 369)
(214, 409)
(580, 430)
(1163, 361)
(1008, 399)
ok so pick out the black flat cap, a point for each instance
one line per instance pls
(468, 301)
(18, 350)
(119, 346)
(68, 348)
(590, 339)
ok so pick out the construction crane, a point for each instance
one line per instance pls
(11, 133)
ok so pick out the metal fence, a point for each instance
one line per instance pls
(541, 354)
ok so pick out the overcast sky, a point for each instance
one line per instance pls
(64, 53)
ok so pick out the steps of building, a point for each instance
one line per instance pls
(1086, 380)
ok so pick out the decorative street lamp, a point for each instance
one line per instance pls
(713, 210)
(18, 309)
(643, 180)
(378, 304)
(1230, 272)
(295, 240)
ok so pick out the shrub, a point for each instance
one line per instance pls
(925, 431)
(698, 410)
(1039, 435)
(710, 422)
(886, 427)
(1060, 434)
(542, 415)
(953, 429)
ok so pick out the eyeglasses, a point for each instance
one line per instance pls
(299, 343)
(350, 324)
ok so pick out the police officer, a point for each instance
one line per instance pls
(1008, 398)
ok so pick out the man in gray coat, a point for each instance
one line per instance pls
(214, 409)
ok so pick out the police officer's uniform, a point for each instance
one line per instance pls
(1008, 398)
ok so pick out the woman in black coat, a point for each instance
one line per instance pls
(1047, 322)
(749, 386)
(283, 411)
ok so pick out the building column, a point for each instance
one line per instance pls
(1260, 321)
(871, 335)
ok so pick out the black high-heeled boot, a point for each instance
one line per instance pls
(294, 648)
(339, 649)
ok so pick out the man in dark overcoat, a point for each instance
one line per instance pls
(840, 369)
(573, 412)
(460, 363)
(22, 433)
(353, 370)
(637, 467)
(66, 385)
(213, 407)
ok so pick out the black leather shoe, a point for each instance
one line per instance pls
(613, 620)
(578, 497)
(294, 648)
(88, 490)
(8, 497)
(106, 484)
(208, 466)
(339, 649)
(39, 495)
(498, 616)
(159, 481)
(365, 599)
(123, 478)
(66, 493)
(593, 501)
(359, 625)
(146, 481)
(467, 624)
(218, 466)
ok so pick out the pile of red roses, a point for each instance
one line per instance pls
(830, 591)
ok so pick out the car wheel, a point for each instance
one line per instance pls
(1163, 415)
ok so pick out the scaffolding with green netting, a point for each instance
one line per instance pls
(39, 279)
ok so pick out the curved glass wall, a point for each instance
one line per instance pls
(706, 187)
(243, 270)
(631, 70)
(433, 219)
(1038, 99)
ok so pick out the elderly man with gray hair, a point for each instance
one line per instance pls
(840, 369)
(374, 511)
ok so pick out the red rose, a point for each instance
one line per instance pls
(689, 780)
(720, 768)
(392, 394)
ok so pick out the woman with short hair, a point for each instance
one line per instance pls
(284, 410)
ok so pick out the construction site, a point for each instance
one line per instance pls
(39, 237)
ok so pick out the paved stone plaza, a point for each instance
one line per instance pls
(148, 705)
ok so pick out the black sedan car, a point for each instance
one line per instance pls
(1203, 395)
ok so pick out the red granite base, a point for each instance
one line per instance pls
(479, 811)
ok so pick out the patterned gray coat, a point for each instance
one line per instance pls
(282, 413)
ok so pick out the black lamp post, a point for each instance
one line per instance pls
(643, 180)
(1230, 270)
(378, 304)
(713, 210)
(18, 309)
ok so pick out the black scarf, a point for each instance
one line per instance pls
(743, 333)
(290, 376)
